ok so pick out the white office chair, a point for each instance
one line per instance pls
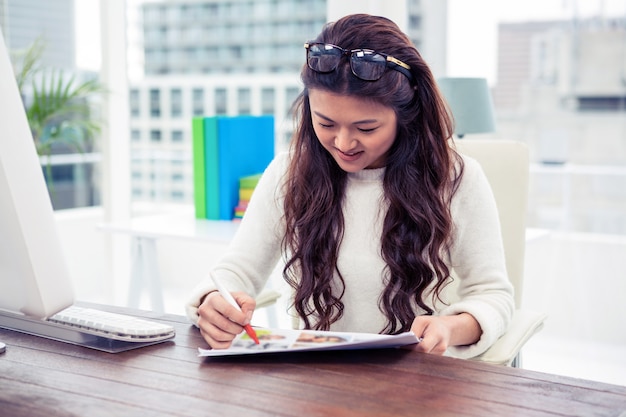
(506, 166)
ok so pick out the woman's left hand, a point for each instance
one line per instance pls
(440, 332)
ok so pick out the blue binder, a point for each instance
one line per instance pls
(235, 147)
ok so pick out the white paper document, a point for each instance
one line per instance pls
(282, 340)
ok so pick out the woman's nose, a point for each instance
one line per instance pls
(344, 141)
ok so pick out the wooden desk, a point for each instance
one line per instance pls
(39, 377)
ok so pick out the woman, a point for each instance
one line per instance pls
(377, 218)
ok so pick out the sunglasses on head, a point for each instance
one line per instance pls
(366, 64)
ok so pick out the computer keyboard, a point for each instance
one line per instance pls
(112, 325)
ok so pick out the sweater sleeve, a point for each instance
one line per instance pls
(255, 249)
(478, 263)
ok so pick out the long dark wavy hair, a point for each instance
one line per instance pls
(421, 175)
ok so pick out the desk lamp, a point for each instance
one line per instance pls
(470, 102)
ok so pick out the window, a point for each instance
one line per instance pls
(267, 100)
(162, 34)
(176, 102)
(235, 52)
(209, 10)
(177, 135)
(134, 103)
(198, 101)
(177, 195)
(220, 101)
(155, 103)
(243, 100)
(415, 22)
(155, 135)
(135, 135)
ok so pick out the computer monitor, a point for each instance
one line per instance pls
(34, 277)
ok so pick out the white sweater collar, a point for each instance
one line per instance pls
(375, 174)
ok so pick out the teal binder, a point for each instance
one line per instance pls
(211, 166)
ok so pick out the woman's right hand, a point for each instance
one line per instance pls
(220, 322)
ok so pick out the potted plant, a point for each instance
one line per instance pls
(58, 107)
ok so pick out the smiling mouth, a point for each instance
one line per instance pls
(349, 156)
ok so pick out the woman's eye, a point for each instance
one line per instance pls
(325, 125)
(368, 130)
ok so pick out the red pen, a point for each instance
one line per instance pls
(228, 297)
(251, 333)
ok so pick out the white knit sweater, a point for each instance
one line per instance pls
(480, 287)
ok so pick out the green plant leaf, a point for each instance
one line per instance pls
(58, 107)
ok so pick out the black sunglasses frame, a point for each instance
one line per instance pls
(389, 61)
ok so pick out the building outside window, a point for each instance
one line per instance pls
(155, 135)
(176, 103)
(267, 100)
(155, 103)
(198, 101)
(177, 136)
(221, 101)
(134, 103)
(244, 100)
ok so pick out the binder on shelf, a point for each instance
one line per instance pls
(199, 178)
(232, 148)
(246, 188)
(211, 168)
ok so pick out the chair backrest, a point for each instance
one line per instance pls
(506, 165)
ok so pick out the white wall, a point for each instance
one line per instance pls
(579, 280)
(84, 247)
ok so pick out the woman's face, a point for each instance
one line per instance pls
(358, 133)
